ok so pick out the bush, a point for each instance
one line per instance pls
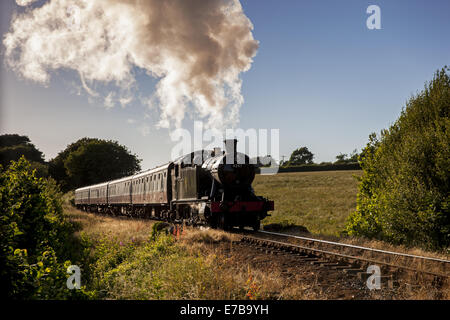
(34, 236)
(404, 191)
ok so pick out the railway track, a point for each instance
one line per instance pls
(350, 259)
(395, 267)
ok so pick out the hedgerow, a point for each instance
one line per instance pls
(404, 190)
(34, 251)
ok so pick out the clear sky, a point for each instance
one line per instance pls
(320, 76)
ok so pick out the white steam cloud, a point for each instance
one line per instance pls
(195, 48)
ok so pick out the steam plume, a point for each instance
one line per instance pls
(195, 48)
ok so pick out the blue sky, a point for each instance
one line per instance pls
(320, 76)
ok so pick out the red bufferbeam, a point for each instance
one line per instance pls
(242, 206)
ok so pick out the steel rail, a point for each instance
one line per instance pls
(356, 247)
(349, 257)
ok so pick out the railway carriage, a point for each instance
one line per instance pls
(98, 195)
(119, 194)
(203, 187)
(151, 191)
(82, 198)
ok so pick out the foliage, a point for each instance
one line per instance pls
(344, 158)
(13, 146)
(404, 191)
(34, 236)
(300, 156)
(56, 166)
(253, 289)
(89, 161)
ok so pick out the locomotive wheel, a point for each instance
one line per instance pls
(223, 222)
(256, 225)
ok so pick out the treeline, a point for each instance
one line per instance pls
(302, 156)
(321, 167)
(302, 160)
(86, 161)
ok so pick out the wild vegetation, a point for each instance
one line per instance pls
(14, 146)
(136, 259)
(144, 259)
(404, 193)
(36, 245)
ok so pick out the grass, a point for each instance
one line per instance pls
(320, 201)
(125, 261)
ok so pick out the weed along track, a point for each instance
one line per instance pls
(266, 265)
(393, 269)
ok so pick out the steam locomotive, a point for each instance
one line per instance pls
(203, 187)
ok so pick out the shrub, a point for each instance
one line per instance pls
(404, 190)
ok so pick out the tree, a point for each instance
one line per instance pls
(344, 158)
(341, 158)
(404, 193)
(58, 171)
(354, 156)
(300, 156)
(14, 146)
(89, 161)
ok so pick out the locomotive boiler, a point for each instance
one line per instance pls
(211, 187)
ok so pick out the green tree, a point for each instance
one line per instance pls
(89, 161)
(404, 191)
(99, 161)
(344, 158)
(57, 169)
(14, 146)
(300, 156)
(341, 158)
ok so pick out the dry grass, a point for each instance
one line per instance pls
(206, 264)
(218, 247)
(101, 226)
(206, 235)
(320, 201)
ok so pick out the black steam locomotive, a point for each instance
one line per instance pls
(203, 187)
